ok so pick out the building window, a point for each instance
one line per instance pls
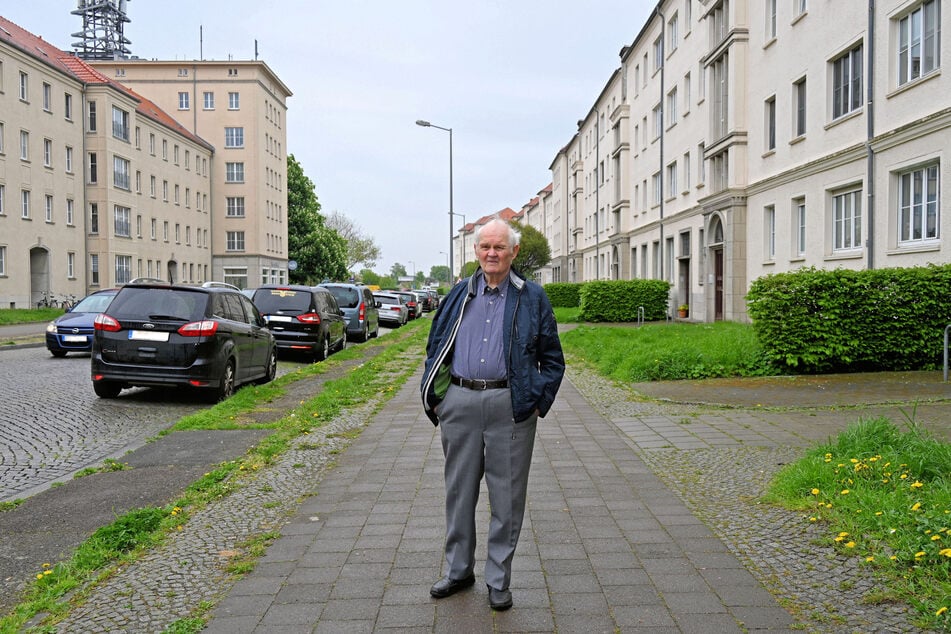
(720, 168)
(178, 233)
(187, 159)
(94, 268)
(24, 145)
(770, 19)
(123, 222)
(208, 100)
(236, 276)
(658, 115)
(234, 241)
(847, 221)
(800, 7)
(234, 172)
(235, 206)
(121, 173)
(70, 213)
(672, 107)
(234, 137)
(24, 86)
(234, 100)
(3, 199)
(164, 149)
(673, 34)
(91, 116)
(847, 82)
(47, 97)
(48, 152)
(799, 205)
(165, 230)
(68, 106)
(770, 123)
(138, 182)
(720, 90)
(175, 194)
(175, 154)
(152, 186)
(123, 269)
(656, 184)
(153, 228)
(94, 218)
(93, 168)
(165, 191)
(183, 101)
(151, 143)
(918, 212)
(919, 42)
(24, 203)
(69, 160)
(769, 228)
(799, 101)
(1, 131)
(686, 163)
(3, 261)
(138, 225)
(70, 265)
(672, 180)
(49, 208)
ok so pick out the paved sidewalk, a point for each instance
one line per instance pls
(606, 545)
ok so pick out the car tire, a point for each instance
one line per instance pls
(59, 354)
(107, 389)
(271, 371)
(376, 332)
(323, 351)
(365, 335)
(225, 387)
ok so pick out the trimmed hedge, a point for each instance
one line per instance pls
(815, 321)
(564, 294)
(619, 300)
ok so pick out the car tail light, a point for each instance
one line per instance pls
(204, 328)
(396, 308)
(362, 311)
(106, 323)
(309, 318)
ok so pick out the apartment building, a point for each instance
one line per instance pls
(96, 204)
(240, 107)
(740, 138)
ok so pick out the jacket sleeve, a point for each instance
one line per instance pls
(550, 357)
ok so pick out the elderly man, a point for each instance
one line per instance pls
(493, 366)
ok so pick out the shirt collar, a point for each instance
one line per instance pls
(502, 287)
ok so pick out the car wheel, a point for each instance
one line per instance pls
(343, 343)
(376, 333)
(225, 387)
(323, 351)
(107, 389)
(59, 354)
(271, 370)
(365, 336)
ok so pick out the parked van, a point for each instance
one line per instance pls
(359, 308)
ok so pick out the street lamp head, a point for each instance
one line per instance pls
(423, 123)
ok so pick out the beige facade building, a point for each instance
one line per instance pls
(740, 138)
(240, 107)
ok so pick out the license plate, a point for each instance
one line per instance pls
(144, 335)
(281, 318)
(74, 338)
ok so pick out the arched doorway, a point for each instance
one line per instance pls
(39, 276)
(715, 231)
(172, 271)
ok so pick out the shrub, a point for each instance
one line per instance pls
(564, 294)
(815, 321)
(619, 300)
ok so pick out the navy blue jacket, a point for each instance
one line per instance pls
(535, 364)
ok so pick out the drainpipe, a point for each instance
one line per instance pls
(663, 64)
(597, 193)
(870, 135)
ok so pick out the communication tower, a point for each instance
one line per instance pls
(103, 23)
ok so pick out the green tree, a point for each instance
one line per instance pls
(397, 270)
(440, 273)
(534, 252)
(469, 268)
(319, 251)
(367, 276)
(361, 249)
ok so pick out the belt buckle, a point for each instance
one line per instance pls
(485, 384)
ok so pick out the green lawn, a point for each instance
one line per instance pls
(668, 351)
(11, 316)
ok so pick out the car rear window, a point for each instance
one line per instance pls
(346, 297)
(275, 300)
(387, 299)
(158, 303)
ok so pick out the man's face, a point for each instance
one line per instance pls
(493, 251)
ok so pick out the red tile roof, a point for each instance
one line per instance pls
(60, 60)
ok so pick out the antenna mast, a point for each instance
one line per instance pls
(102, 35)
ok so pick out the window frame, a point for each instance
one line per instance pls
(846, 220)
(913, 216)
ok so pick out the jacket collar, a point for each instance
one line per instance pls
(514, 279)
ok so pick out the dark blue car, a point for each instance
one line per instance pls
(72, 332)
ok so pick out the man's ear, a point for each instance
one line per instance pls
(515, 250)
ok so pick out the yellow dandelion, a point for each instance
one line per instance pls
(885, 480)
(946, 552)
(815, 491)
(878, 513)
(854, 460)
(828, 505)
(839, 539)
(935, 538)
(894, 557)
(904, 476)
(916, 506)
(941, 610)
(47, 572)
(850, 544)
(919, 554)
(813, 519)
(916, 485)
(46, 565)
(870, 559)
(845, 491)
(39, 575)
(843, 534)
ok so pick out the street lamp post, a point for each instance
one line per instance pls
(427, 124)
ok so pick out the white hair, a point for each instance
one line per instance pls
(515, 236)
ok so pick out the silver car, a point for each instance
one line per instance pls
(393, 310)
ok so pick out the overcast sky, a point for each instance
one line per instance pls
(510, 77)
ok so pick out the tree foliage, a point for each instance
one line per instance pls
(534, 253)
(320, 252)
(361, 249)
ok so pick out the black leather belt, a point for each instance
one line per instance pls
(478, 384)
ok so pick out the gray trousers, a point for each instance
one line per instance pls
(479, 438)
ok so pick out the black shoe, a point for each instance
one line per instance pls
(499, 599)
(446, 587)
